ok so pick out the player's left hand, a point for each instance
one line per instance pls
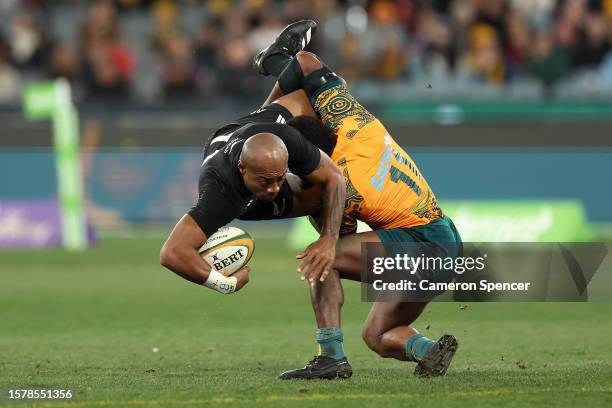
(318, 258)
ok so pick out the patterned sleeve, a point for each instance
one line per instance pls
(339, 110)
(352, 205)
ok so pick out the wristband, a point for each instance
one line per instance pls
(220, 283)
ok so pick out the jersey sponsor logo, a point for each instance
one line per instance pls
(397, 175)
(378, 180)
(402, 160)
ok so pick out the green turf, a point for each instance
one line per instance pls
(90, 321)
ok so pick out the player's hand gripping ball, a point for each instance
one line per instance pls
(228, 250)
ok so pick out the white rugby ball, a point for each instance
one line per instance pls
(228, 250)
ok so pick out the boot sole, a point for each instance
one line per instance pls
(437, 364)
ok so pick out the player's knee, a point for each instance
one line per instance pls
(308, 62)
(373, 339)
(370, 337)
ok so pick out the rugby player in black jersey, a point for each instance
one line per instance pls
(245, 165)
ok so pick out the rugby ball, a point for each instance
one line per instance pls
(228, 250)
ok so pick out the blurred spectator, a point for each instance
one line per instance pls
(265, 30)
(483, 60)
(236, 75)
(383, 52)
(594, 43)
(165, 23)
(548, 62)
(10, 81)
(108, 62)
(100, 25)
(30, 45)
(491, 13)
(463, 13)
(518, 34)
(208, 41)
(537, 13)
(488, 41)
(174, 51)
(390, 63)
(566, 34)
(65, 63)
(433, 42)
(178, 67)
(349, 66)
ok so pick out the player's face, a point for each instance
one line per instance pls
(264, 185)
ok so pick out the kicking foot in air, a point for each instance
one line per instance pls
(321, 367)
(293, 39)
(438, 358)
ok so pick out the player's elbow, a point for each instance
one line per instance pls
(332, 175)
(169, 257)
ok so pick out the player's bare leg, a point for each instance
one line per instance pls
(388, 330)
(327, 300)
(387, 327)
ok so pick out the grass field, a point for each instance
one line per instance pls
(90, 322)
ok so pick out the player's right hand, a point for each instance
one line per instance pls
(242, 277)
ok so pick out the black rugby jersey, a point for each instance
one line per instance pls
(222, 193)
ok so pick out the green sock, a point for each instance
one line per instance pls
(330, 342)
(417, 347)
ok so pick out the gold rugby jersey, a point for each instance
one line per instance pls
(385, 188)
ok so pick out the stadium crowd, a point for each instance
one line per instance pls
(157, 50)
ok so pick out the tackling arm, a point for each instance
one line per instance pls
(319, 256)
(328, 176)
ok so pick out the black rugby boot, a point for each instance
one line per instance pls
(294, 38)
(320, 367)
